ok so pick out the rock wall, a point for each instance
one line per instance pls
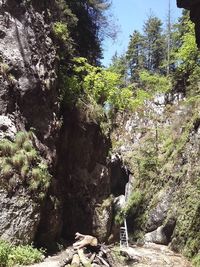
(28, 100)
(75, 149)
(82, 171)
(159, 144)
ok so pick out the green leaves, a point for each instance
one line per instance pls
(155, 83)
(188, 52)
(102, 85)
(61, 31)
(11, 255)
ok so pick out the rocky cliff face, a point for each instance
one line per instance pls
(75, 150)
(28, 99)
(160, 146)
(82, 177)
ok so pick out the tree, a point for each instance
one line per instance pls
(154, 43)
(119, 66)
(90, 27)
(188, 57)
(135, 55)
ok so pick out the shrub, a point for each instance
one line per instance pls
(7, 148)
(6, 169)
(60, 30)
(100, 84)
(32, 156)
(11, 255)
(196, 260)
(18, 160)
(20, 138)
(24, 255)
(5, 250)
(155, 83)
(36, 173)
(27, 146)
(24, 171)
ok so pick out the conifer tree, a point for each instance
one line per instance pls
(154, 43)
(135, 55)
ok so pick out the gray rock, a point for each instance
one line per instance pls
(19, 218)
(158, 214)
(158, 236)
(7, 127)
(102, 220)
(119, 203)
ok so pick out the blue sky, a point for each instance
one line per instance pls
(130, 15)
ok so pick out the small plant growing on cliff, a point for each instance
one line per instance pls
(20, 159)
(60, 30)
(21, 138)
(131, 206)
(7, 148)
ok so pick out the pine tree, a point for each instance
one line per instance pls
(135, 55)
(154, 43)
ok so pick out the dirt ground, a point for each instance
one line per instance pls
(149, 255)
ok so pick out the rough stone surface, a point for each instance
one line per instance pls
(28, 99)
(28, 65)
(84, 176)
(157, 236)
(159, 213)
(170, 185)
(7, 127)
(102, 220)
(19, 218)
(118, 203)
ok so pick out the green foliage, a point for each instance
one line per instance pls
(5, 250)
(60, 30)
(187, 53)
(20, 138)
(119, 67)
(186, 57)
(196, 260)
(131, 207)
(99, 84)
(7, 148)
(154, 43)
(20, 159)
(11, 255)
(154, 83)
(135, 55)
(24, 255)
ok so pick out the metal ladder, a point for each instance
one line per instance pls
(123, 230)
(124, 236)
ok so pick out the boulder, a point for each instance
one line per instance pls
(19, 218)
(102, 220)
(158, 214)
(157, 236)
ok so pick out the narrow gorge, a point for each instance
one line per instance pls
(75, 136)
